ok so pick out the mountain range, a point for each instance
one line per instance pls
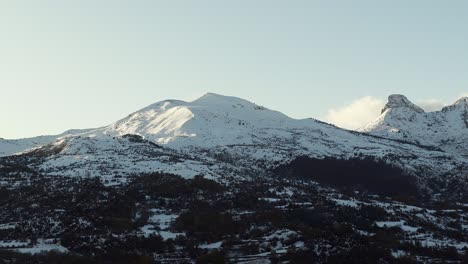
(445, 129)
(222, 136)
(224, 180)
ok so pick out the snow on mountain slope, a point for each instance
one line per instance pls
(10, 147)
(446, 129)
(225, 138)
(208, 121)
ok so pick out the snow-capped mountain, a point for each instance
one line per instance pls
(209, 121)
(446, 129)
(10, 147)
(222, 137)
(14, 146)
(255, 156)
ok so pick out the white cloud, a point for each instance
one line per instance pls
(431, 105)
(366, 109)
(356, 114)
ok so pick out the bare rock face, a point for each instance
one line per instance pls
(399, 101)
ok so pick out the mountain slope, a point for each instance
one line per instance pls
(446, 129)
(10, 147)
(228, 139)
(208, 121)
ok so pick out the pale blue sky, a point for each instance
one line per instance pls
(75, 64)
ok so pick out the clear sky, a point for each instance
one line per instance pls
(76, 64)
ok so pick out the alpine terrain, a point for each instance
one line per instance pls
(221, 179)
(446, 129)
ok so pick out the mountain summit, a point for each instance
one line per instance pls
(462, 101)
(461, 104)
(207, 121)
(446, 129)
(400, 101)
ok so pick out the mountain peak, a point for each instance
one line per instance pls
(217, 99)
(445, 129)
(462, 101)
(400, 101)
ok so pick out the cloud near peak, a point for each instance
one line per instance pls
(356, 114)
(364, 110)
(431, 105)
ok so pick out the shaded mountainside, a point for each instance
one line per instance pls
(352, 174)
